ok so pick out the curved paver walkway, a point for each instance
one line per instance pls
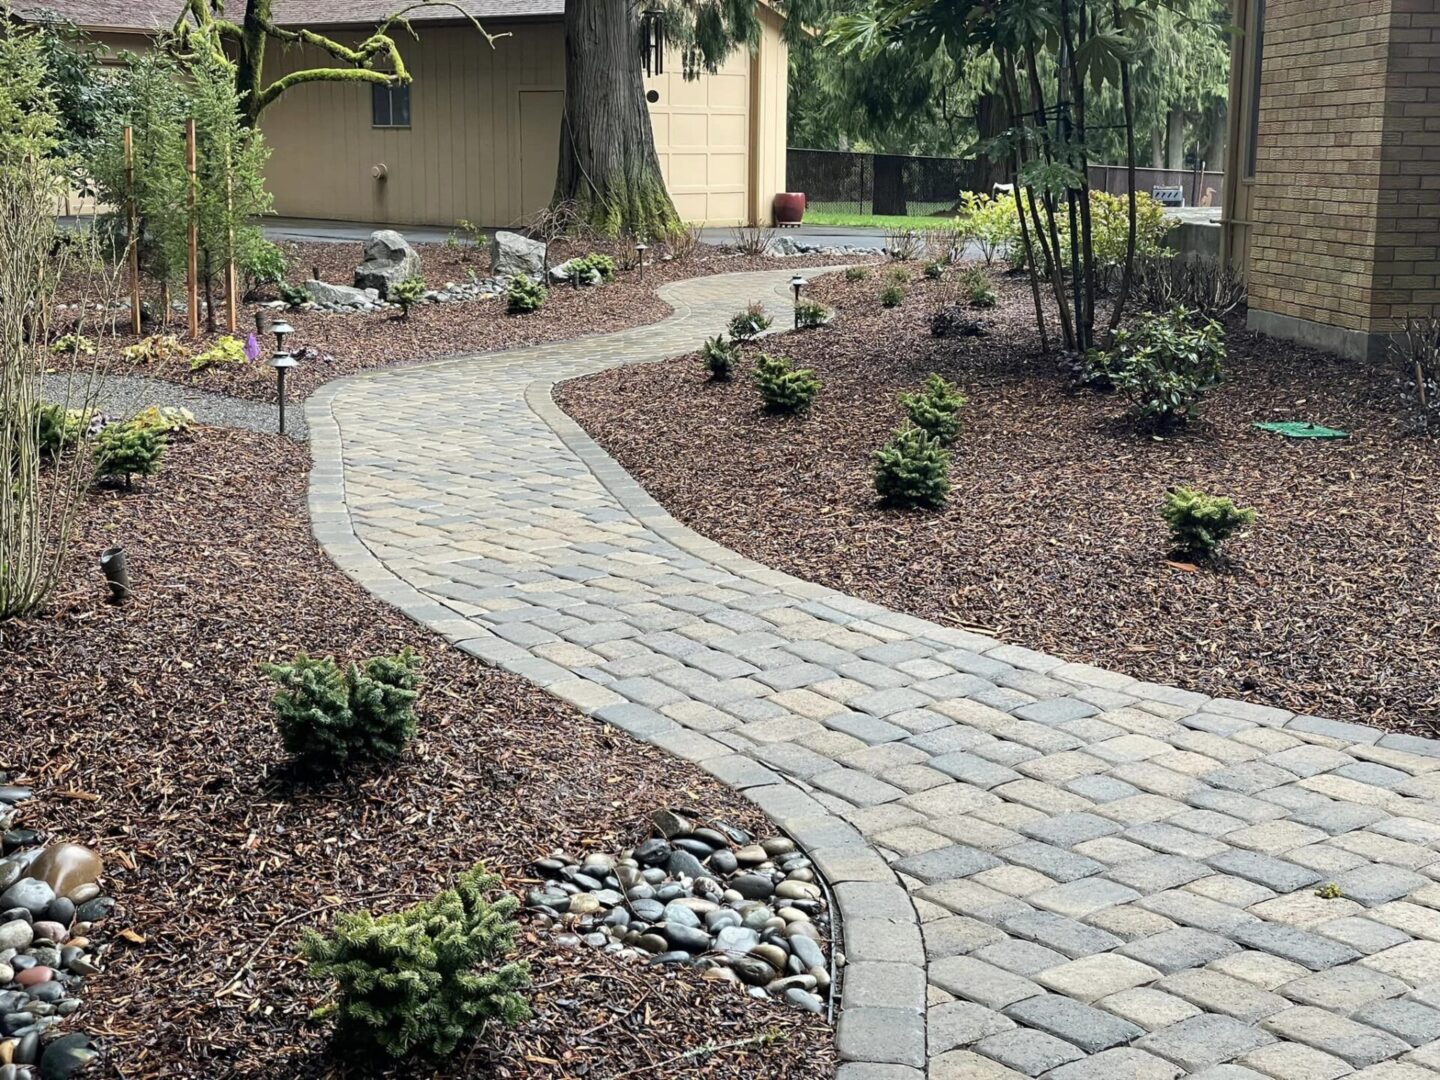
(1042, 868)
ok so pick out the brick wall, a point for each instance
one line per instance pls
(1346, 196)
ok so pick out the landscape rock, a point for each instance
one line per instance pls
(322, 292)
(511, 254)
(66, 867)
(389, 260)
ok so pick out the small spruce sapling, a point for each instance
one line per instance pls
(935, 409)
(935, 270)
(912, 470)
(783, 388)
(1200, 523)
(424, 978)
(976, 284)
(126, 450)
(720, 357)
(407, 294)
(523, 296)
(857, 273)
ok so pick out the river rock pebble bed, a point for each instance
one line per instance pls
(50, 899)
(744, 911)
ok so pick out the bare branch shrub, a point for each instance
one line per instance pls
(1201, 283)
(904, 244)
(683, 240)
(752, 240)
(1416, 353)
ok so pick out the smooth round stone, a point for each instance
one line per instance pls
(671, 824)
(730, 896)
(598, 863)
(28, 1050)
(628, 876)
(775, 846)
(790, 914)
(49, 992)
(675, 956)
(567, 941)
(757, 992)
(13, 1023)
(7, 974)
(717, 920)
(16, 934)
(617, 917)
(709, 888)
(557, 900)
(652, 852)
(666, 893)
(803, 874)
(713, 837)
(733, 833)
(7, 1051)
(32, 894)
(652, 943)
(10, 871)
(51, 931)
(649, 910)
(753, 886)
(81, 966)
(802, 929)
(67, 1056)
(44, 954)
(735, 941)
(803, 1000)
(808, 951)
(797, 890)
(772, 955)
(753, 970)
(550, 867)
(641, 892)
(85, 893)
(10, 1072)
(65, 867)
(721, 974)
(61, 910)
(821, 977)
(686, 937)
(724, 862)
(756, 918)
(584, 904)
(698, 848)
(93, 909)
(586, 882)
(654, 875)
(774, 923)
(596, 940)
(681, 916)
(684, 864)
(753, 855)
(609, 898)
(697, 904)
(802, 982)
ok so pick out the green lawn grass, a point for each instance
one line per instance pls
(872, 221)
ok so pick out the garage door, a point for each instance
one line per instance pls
(702, 134)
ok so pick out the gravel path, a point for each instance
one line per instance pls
(1043, 869)
(125, 395)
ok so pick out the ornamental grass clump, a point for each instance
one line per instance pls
(123, 451)
(892, 296)
(329, 716)
(857, 273)
(809, 315)
(1164, 365)
(935, 409)
(1200, 523)
(523, 296)
(912, 470)
(720, 357)
(424, 978)
(784, 388)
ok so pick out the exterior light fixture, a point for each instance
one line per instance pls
(281, 329)
(282, 362)
(640, 248)
(797, 283)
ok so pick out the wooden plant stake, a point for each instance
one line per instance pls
(230, 277)
(134, 231)
(192, 268)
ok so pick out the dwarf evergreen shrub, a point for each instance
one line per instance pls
(809, 315)
(58, 428)
(407, 294)
(720, 357)
(912, 469)
(892, 296)
(523, 295)
(976, 285)
(1164, 365)
(595, 263)
(749, 324)
(783, 388)
(935, 409)
(126, 450)
(857, 273)
(329, 716)
(424, 978)
(1200, 523)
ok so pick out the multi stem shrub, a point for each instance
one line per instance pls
(747, 325)
(935, 409)
(523, 296)
(783, 388)
(126, 450)
(892, 296)
(912, 470)
(425, 978)
(809, 315)
(1201, 523)
(329, 716)
(976, 285)
(1164, 365)
(407, 294)
(720, 357)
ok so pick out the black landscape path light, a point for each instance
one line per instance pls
(797, 283)
(281, 362)
(640, 248)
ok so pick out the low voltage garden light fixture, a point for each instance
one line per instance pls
(281, 329)
(640, 248)
(797, 283)
(282, 362)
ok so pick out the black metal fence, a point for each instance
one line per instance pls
(838, 181)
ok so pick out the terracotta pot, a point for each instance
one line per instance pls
(790, 208)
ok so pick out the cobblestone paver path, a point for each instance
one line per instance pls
(1044, 868)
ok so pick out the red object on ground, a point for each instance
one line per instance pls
(789, 208)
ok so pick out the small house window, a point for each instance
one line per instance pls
(389, 106)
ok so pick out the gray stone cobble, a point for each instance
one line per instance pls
(1125, 869)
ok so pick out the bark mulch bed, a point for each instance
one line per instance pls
(366, 340)
(146, 732)
(1052, 537)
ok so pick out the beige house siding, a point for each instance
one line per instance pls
(485, 134)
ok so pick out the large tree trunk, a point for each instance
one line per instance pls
(992, 118)
(250, 61)
(1175, 139)
(888, 196)
(608, 165)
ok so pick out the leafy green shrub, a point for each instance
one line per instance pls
(934, 270)
(935, 409)
(749, 324)
(407, 293)
(427, 977)
(1200, 523)
(523, 295)
(294, 296)
(857, 273)
(892, 296)
(226, 350)
(784, 389)
(73, 345)
(328, 716)
(976, 285)
(899, 276)
(991, 221)
(809, 315)
(720, 357)
(912, 469)
(126, 450)
(1163, 365)
(595, 263)
(156, 347)
(58, 428)
(267, 266)
(163, 419)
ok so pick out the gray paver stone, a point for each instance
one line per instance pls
(1175, 950)
(960, 1023)
(894, 1036)
(944, 864)
(1088, 1028)
(1122, 1063)
(1028, 1052)
(1353, 1042)
(1203, 1040)
(1293, 944)
(875, 984)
